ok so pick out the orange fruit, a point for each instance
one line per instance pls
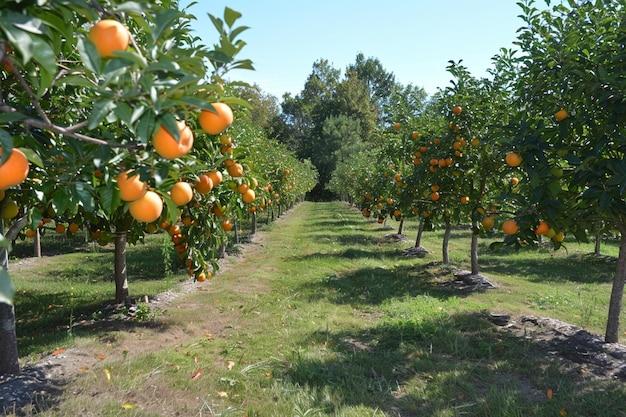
(181, 193)
(235, 170)
(147, 208)
(513, 159)
(435, 196)
(14, 170)
(542, 228)
(10, 209)
(204, 184)
(96, 233)
(465, 199)
(558, 237)
(131, 188)
(396, 126)
(510, 227)
(242, 188)
(248, 196)
(415, 135)
(108, 36)
(167, 147)
(457, 110)
(435, 187)
(216, 177)
(164, 225)
(201, 277)
(173, 230)
(227, 225)
(215, 122)
(390, 201)
(73, 228)
(30, 233)
(561, 115)
(226, 139)
(514, 181)
(59, 228)
(488, 222)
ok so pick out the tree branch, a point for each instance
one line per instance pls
(70, 131)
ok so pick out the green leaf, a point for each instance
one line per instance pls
(83, 193)
(231, 16)
(6, 142)
(33, 157)
(169, 123)
(6, 287)
(145, 126)
(89, 54)
(164, 21)
(130, 7)
(12, 117)
(101, 110)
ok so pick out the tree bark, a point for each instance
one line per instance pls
(420, 230)
(474, 254)
(253, 228)
(401, 227)
(121, 276)
(444, 246)
(617, 292)
(9, 359)
(37, 244)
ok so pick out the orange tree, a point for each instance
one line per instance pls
(85, 108)
(570, 130)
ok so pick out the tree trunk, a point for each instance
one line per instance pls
(444, 246)
(121, 277)
(474, 254)
(37, 244)
(253, 228)
(420, 230)
(617, 292)
(9, 360)
(401, 227)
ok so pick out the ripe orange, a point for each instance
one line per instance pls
(457, 110)
(131, 188)
(10, 209)
(242, 188)
(73, 228)
(542, 228)
(216, 177)
(14, 170)
(30, 233)
(514, 181)
(488, 222)
(147, 208)
(465, 199)
(561, 115)
(513, 159)
(173, 230)
(435, 196)
(248, 196)
(510, 227)
(435, 187)
(227, 225)
(235, 170)
(204, 184)
(415, 135)
(181, 193)
(96, 233)
(201, 277)
(165, 144)
(59, 228)
(216, 122)
(108, 36)
(396, 126)
(390, 201)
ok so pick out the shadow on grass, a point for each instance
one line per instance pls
(373, 286)
(438, 365)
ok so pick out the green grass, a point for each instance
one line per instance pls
(324, 317)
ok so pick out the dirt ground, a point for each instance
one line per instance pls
(576, 349)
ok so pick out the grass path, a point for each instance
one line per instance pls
(321, 316)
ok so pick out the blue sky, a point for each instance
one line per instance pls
(414, 39)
